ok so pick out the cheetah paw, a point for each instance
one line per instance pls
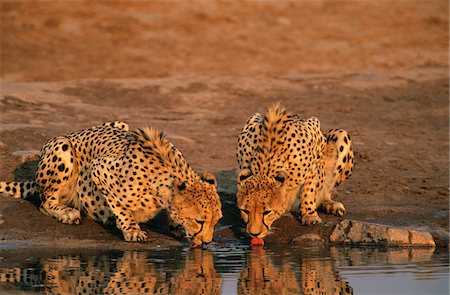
(70, 216)
(135, 235)
(333, 207)
(310, 219)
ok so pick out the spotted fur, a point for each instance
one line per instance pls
(287, 164)
(121, 176)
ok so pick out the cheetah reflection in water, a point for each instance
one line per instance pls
(136, 272)
(264, 273)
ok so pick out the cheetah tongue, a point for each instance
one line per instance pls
(257, 241)
(193, 245)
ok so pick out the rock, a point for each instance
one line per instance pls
(421, 238)
(398, 235)
(356, 232)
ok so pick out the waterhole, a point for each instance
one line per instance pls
(234, 269)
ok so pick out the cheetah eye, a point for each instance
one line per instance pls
(267, 212)
(245, 211)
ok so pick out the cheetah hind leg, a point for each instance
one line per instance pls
(92, 200)
(56, 179)
(62, 213)
(338, 157)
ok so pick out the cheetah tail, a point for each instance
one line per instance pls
(24, 190)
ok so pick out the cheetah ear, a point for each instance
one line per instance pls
(209, 178)
(281, 176)
(243, 175)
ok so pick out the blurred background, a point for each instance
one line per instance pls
(64, 40)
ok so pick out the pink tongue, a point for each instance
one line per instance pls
(257, 241)
(193, 245)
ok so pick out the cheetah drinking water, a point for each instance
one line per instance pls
(123, 176)
(287, 164)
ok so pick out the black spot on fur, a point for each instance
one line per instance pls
(182, 186)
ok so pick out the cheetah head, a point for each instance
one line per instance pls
(196, 208)
(261, 200)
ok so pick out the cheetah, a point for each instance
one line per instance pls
(287, 164)
(123, 177)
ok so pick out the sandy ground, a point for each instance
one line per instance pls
(197, 70)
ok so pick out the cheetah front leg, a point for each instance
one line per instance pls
(308, 205)
(338, 163)
(56, 179)
(125, 221)
(106, 178)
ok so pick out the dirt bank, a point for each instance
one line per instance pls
(399, 179)
(197, 71)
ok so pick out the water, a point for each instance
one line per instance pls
(234, 269)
